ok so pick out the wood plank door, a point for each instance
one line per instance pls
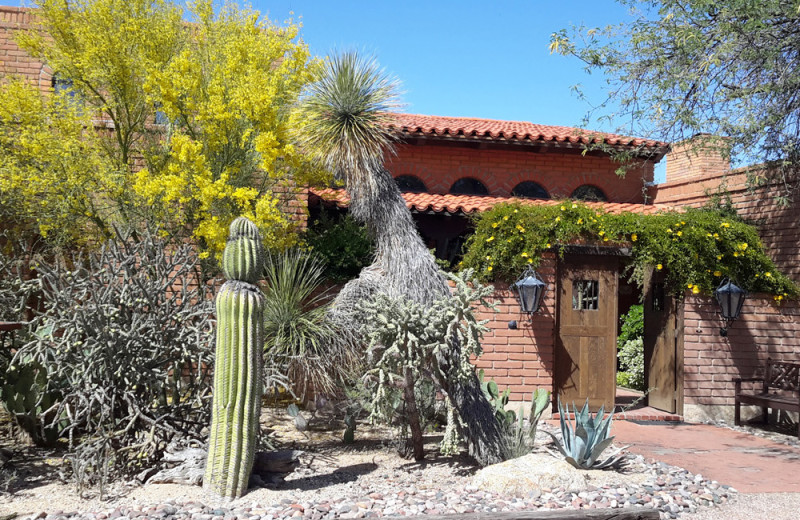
(586, 350)
(662, 346)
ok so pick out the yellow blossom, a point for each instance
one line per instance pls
(490, 238)
(563, 208)
(524, 255)
(505, 218)
(680, 233)
(548, 245)
(659, 267)
(494, 224)
(768, 274)
(634, 237)
(717, 273)
(695, 289)
(489, 268)
(725, 225)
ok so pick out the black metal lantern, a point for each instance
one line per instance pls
(529, 289)
(730, 298)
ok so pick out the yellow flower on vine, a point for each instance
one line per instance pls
(580, 221)
(695, 289)
(659, 267)
(574, 205)
(719, 257)
(489, 268)
(524, 255)
(490, 238)
(768, 274)
(725, 225)
(547, 245)
(563, 208)
(634, 237)
(717, 273)
(495, 224)
(558, 219)
(505, 218)
(680, 233)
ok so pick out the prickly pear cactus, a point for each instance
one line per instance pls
(237, 372)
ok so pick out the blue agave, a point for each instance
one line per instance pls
(584, 442)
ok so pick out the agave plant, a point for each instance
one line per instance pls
(584, 442)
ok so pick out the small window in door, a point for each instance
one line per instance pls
(658, 297)
(585, 295)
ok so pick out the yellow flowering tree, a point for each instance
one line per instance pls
(190, 118)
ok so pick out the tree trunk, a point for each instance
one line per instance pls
(412, 414)
(404, 266)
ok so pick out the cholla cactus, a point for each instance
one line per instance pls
(237, 371)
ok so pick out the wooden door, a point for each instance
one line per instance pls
(586, 351)
(662, 346)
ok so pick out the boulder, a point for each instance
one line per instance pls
(539, 471)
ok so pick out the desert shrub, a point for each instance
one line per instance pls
(125, 338)
(303, 351)
(342, 243)
(406, 340)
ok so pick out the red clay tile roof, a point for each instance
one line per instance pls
(434, 203)
(515, 131)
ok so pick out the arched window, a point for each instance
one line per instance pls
(530, 190)
(409, 183)
(589, 193)
(468, 186)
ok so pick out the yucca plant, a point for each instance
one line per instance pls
(345, 123)
(302, 346)
(583, 443)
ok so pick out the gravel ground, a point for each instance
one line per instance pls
(369, 480)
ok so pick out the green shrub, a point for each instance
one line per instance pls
(342, 243)
(631, 360)
(630, 349)
(696, 248)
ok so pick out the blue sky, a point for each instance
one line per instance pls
(468, 58)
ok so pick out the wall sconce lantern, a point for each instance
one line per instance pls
(730, 298)
(529, 289)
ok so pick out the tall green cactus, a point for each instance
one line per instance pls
(237, 372)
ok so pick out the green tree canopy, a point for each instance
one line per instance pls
(190, 120)
(682, 67)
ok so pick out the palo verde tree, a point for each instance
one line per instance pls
(180, 123)
(683, 67)
(343, 124)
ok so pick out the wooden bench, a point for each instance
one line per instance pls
(780, 389)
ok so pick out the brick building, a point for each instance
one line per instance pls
(451, 168)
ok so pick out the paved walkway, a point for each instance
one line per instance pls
(748, 463)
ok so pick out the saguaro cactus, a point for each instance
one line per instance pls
(237, 371)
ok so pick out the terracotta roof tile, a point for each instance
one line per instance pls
(435, 203)
(518, 131)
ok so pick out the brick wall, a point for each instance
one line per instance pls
(13, 60)
(559, 171)
(522, 359)
(711, 361)
(696, 157)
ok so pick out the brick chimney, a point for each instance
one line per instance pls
(697, 157)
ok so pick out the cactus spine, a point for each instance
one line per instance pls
(237, 373)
